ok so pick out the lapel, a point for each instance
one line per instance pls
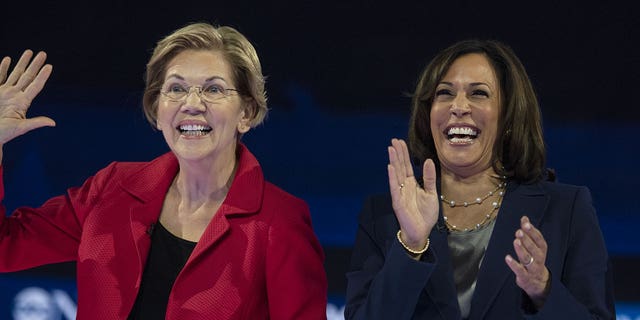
(441, 286)
(519, 200)
(149, 185)
(244, 198)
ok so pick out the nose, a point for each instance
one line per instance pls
(460, 106)
(193, 103)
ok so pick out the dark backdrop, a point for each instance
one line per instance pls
(338, 73)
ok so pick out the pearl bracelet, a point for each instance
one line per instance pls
(414, 252)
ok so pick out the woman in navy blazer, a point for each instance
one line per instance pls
(197, 233)
(485, 234)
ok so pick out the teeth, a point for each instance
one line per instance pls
(461, 140)
(462, 131)
(193, 133)
(194, 127)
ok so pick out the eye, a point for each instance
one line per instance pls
(176, 88)
(214, 89)
(443, 92)
(479, 92)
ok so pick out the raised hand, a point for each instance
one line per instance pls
(416, 208)
(531, 273)
(17, 90)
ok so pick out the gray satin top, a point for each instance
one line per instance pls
(467, 250)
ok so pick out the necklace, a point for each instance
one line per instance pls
(478, 200)
(487, 218)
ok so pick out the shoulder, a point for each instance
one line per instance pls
(118, 170)
(125, 168)
(376, 207)
(555, 192)
(377, 216)
(283, 205)
(558, 188)
(289, 221)
(564, 194)
(134, 175)
(274, 194)
(565, 204)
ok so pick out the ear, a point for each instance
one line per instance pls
(244, 125)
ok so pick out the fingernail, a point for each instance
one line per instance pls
(519, 234)
(527, 226)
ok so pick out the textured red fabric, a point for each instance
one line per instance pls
(257, 259)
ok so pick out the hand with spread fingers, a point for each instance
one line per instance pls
(17, 90)
(416, 208)
(531, 272)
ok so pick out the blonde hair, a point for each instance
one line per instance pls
(238, 51)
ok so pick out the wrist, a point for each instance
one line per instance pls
(412, 251)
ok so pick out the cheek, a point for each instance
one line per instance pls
(438, 117)
(161, 118)
(165, 113)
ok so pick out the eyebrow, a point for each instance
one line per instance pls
(473, 84)
(179, 77)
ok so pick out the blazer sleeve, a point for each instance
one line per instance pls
(383, 282)
(296, 280)
(30, 237)
(584, 288)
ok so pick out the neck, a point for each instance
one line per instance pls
(470, 202)
(202, 181)
(456, 186)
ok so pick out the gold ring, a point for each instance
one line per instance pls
(401, 186)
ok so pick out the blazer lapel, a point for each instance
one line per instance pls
(244, 198)
(148, 188)
(519, 200)
(441, 287)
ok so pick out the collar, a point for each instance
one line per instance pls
(154, 179)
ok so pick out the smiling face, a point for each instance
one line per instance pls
(464, 115)
(195, 129)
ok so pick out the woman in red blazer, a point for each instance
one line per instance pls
(194, 234)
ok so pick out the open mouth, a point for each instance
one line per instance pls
(461, 135)
(193, 130)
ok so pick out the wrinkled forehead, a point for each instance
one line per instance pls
(200, 66)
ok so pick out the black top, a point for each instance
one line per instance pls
(167, 257)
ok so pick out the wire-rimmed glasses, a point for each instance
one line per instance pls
(210, 93)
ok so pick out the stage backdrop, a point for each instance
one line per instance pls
(338, 78)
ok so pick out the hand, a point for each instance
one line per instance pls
(531, 273)
(17, 90)
(416, 208)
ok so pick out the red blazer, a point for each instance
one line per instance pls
(257, 259)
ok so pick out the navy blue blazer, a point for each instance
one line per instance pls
(385, 283)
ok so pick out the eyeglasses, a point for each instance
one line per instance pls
(211, 93)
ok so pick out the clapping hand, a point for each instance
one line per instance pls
(17, 90)
(531, 273)
(416, 208)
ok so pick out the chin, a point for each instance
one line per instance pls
(462, 161)
(191, 154)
